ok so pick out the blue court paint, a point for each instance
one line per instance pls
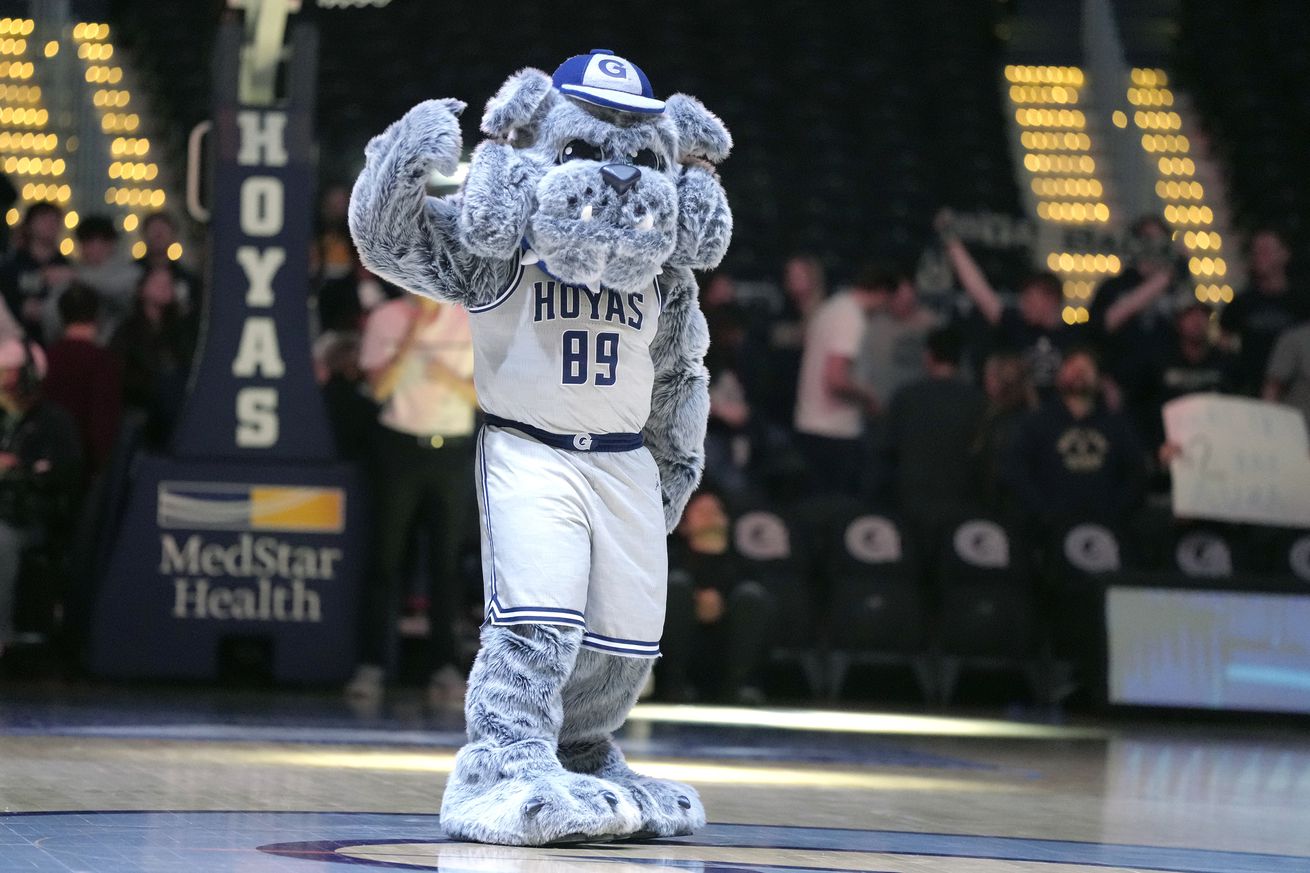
(226, 842)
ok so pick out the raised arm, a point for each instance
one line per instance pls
(966, 269)
(1127, 307)
(680, 399)
(402, 234)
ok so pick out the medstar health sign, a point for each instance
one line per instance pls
(247, 529)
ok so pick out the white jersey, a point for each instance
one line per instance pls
(563, 357)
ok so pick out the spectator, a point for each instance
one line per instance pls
(99, 267)
(1264, 310)
(35, 272)
(39, 468)
(350, 407)
(1288, 377)
(1130, 312)
(9, 326)
(891, 355)
(1191, 363)
(159, 232)
(716, 621)
(1036, 329)
(892, 351)
(85, 379)
(418, 357)
(932, 423)
(830, 403)
(156, 344)
(345, 301)
(1073, 459)
(332, 255)
(804, 290)
(729, 450)
(1010, 400)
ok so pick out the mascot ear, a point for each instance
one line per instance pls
(520, 104)
(700, 132)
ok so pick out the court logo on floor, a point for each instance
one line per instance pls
(766, 849)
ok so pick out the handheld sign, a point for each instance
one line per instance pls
(1242, 460)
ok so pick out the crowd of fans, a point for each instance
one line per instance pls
(985, 401)
(988, 400)
(85, 343)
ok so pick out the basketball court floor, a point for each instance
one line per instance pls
(102, 780)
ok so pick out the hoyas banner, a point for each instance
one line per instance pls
(224, 551)
(253, 394)
(249, 530)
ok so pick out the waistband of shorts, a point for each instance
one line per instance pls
(572, 442)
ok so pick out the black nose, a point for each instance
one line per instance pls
(620, 177)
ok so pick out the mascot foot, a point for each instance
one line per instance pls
(502, 796)
(668, 808)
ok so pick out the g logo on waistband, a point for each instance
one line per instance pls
(582, 442)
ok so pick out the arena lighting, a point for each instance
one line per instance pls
(832, 721)
(687, 771)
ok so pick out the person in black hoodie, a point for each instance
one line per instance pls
(1074, 459)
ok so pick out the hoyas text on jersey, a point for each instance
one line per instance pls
(560, 300)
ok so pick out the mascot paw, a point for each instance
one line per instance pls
(704, 220)
(537, 805)
(432, 131)
(668, 809)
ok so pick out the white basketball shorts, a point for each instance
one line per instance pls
(573, 538)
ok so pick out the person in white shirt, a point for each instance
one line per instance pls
(831, 402)
(417, 355)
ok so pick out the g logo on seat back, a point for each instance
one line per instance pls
(1091, 548)
(1204, 555)
(1298, 558)
(873, 539)
(762, 536)
(982, 543)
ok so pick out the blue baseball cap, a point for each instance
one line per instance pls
(602, 78)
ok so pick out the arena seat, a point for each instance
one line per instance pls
(770, 552)
(1081, 559)
(988, 616)
(876, 609)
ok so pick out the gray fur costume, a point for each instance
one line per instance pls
(540, 766)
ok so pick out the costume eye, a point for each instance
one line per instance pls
(648, 158)
(580, 150)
